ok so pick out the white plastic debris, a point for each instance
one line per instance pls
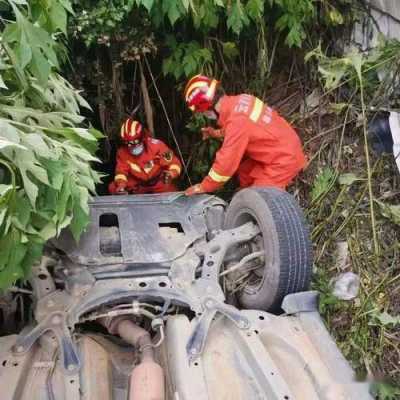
(394, 122)
(346, 286)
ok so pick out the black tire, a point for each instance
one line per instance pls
(286, 242)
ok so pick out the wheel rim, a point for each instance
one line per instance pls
(256, 277)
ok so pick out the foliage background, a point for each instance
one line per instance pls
(45, 178)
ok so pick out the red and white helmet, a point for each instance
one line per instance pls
(131, 131)
(200, 92)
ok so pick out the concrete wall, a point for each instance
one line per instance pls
(386, 14)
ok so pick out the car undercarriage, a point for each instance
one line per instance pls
(153, 303)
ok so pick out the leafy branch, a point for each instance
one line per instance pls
(45, 175)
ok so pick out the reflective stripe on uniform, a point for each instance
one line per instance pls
(217, 177)
(120, 177)
(175, 167)
(135, 167)
(257, 110)
(133, 128)
(211, 89)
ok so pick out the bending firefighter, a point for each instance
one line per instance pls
(144, 164)
(259, 146)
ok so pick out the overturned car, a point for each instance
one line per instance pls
(170, 297)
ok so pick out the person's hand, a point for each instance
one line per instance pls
(167, 177)
(210, 132)
(121, 190)
(195, 189)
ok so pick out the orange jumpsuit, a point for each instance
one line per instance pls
(259, 146)
(144, 173)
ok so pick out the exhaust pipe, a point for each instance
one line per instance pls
(147, 378)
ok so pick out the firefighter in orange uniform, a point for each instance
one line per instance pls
(144, 164)
(259, 146)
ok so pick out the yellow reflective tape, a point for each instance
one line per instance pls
(257, 110)
(134, 167)
(133, 128)
(194, 86)
(123, 130)
(211, 89)
(217, 177)
(175, 167)
(120, 177)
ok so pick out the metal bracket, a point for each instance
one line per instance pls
(55, 322)
(197, 339)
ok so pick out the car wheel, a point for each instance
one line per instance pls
(286, 264)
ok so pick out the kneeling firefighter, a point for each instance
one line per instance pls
(144, 164)
(259, 146)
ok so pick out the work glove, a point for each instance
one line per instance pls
(210, 132)
(195, 189)
(121, 189)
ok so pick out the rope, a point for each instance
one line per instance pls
(168, 121)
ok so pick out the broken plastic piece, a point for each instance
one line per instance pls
(346, 286)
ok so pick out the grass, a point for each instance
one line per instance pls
(366, 329)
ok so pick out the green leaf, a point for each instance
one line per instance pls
(49, 231)
(385, 391)
(386, 319)
(4, 189)
(255, 9)
(333, 75)
(84, 134)
(23, 52)
(148, 4)
(186, 4)
(58, 17)
(55, 170)
(348, 179)
(322, 183)
(67, 5)
(391, 212)
(35, 142)
(230, 50)
(3, 213)
(237, 19)
(9, 132)
(30, 188)
(337, 108)
(357, 62)
(335, 16)
(5, 143)
(33, 254)
(173, 11)
(79, 222)
(2, 84)
(40, 67)
(22, 211)
(39, 173)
